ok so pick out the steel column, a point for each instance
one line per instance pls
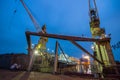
(56, 58)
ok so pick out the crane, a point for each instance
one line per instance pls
(41, 46)
(95, 21)
(102, 50)
(43, 40)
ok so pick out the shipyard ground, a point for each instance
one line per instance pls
(24, 75)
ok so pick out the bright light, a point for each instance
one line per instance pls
(33, 44)
(36, 52)
(39, 45)
(86, 57)
(106, 35)
(52, 50)
(92, 47)
(48, 49)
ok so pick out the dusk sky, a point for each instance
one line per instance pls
(65, 17)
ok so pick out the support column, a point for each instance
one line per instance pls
(111, 57)
(30, 60)
(56, 58)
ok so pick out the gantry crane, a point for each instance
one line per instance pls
(94, 20)
(41, 46)
(43, 40)
(102, 50)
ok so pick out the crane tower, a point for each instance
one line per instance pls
(102, 50)
(40, 48)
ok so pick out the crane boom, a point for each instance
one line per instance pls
(38, 29)
(93, 9)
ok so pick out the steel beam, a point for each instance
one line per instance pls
(29, 43)
(64, 37)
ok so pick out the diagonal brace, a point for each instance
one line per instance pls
(80, 47)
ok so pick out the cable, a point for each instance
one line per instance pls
(63, 52)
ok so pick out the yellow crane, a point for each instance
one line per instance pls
(102, 50)
(42, 41)
(41, 46)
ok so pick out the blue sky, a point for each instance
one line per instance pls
(67, 17)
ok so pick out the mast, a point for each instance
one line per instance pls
(94, 20)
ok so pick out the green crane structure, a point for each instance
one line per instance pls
(102, 50)
(40, 48)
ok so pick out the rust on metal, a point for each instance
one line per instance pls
(64, 37)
